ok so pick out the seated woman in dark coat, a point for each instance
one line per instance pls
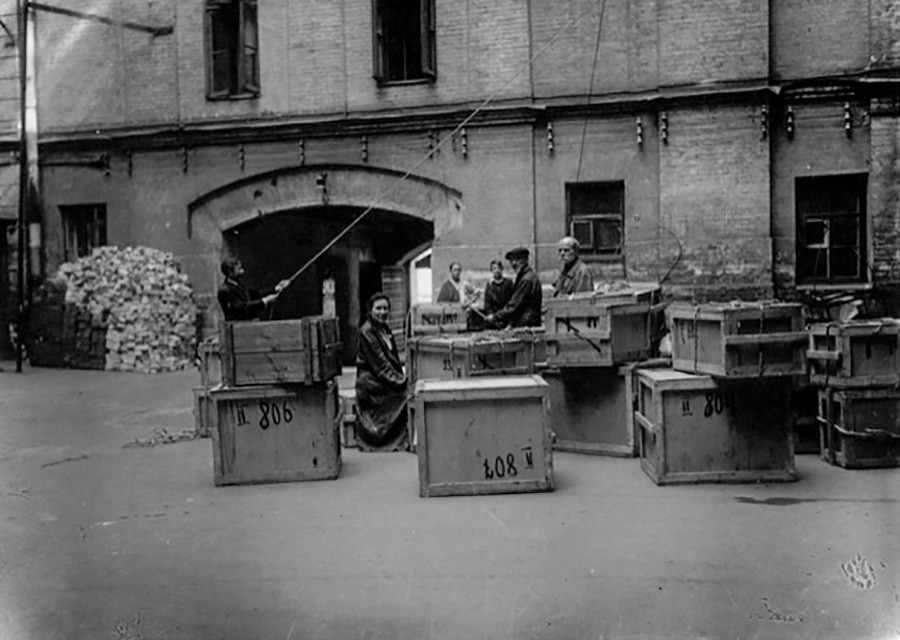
(380, 381)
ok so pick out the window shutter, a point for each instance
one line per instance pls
(429, 39)
(377, 41)
(249, 59)
(217, 53)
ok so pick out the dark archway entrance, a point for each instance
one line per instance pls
(363, 261)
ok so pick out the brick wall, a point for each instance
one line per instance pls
(821, 38)
(714, 197)
(884, 199)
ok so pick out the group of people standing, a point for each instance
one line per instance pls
(381, 383)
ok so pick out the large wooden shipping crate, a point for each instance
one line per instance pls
(697, 429)
(447, 317)
(860, 428)
(738, 339)
(276, 434)
(859, 353)
(591, 408)
(302, 351)
(483, 436)
(484, 353)
(583, 331)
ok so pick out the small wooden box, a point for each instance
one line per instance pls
(428, 319)
(738, 339)
(303, 351)
(860, 428)
(276, 434)
(483, 435)
(591, 408)
(485, 353)
(859, 353)
(348, 418)
(697, 429)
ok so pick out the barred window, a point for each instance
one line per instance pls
(595, 213)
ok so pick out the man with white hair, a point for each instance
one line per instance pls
(573, 275)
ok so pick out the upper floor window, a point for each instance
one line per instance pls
(831, 228)
(84, 229)
(595, 212)
(232, 49)
(404, 40)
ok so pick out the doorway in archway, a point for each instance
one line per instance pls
(369, 258)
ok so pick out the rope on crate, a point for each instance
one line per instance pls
(579, 335)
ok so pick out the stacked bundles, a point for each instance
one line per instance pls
(143, 302)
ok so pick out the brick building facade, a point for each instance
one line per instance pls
(734, 148)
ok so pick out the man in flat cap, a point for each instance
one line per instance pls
(573, 275)
(524, 307)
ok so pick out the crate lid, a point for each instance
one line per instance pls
(669, 375)
(481, 384)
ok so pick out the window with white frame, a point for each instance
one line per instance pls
(232, 49)
(595, 213)
(831, 228)
(404, 40)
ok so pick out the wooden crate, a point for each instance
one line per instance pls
(860, 428)
(738, 339)
(483, 435)
(348, 418)
(302, 351)
(805, 399)
(859, 353)
(698, 429)
(583, 331)
(591, 408)
(483, 353)
(447, 317)
(269, 433)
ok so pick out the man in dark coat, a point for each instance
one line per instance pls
(524, 307)
(574, 275)
(238, 302)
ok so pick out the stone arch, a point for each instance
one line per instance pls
(308, 186)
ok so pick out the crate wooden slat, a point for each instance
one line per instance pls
(859, 353)
(696, 429)
(210, 363)
(428, 319)
(738, 340)
(203, 412)
(591, 409)
(302, 351)
(348, 418)
(483, 436)
(584, 333)
(483, 353)
(269, 433)
(860, 428)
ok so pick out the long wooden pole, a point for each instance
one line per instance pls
(22, 266)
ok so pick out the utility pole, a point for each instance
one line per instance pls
(22, 266)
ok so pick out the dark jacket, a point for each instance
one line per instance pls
(524, 307)
(379, 357)
(240, 303)
(576, 278)
(497, 294)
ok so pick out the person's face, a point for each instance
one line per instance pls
(516, 263)
(455, 272)
(497, 271)
(567, 255)
(381, 310)
(238, 270)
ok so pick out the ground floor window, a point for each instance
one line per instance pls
(831, 228)
(595, 213)
(84, 228)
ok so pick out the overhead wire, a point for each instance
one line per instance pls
(381, 196)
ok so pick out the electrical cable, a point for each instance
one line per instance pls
(380, 197)
(590, 89)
